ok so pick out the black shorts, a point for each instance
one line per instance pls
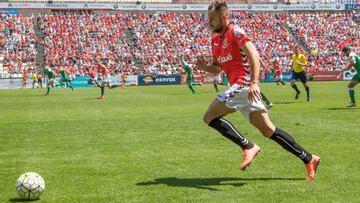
(299, 76)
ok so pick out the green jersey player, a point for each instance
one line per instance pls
(65, 78)
(51, 78)
(354, 61)
(190, 79)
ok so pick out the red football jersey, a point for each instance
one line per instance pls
(103, 70)
(277, 69)
(233, 61)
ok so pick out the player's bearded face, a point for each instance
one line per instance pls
(215, 21)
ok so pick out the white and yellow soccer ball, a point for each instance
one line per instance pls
(30, 186)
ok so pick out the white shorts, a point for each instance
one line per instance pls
(216, 78)
(278, 78)
(236, 97)
(103, 80)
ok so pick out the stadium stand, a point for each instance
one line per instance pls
(17, 44)
(152, 43)
(325, 34)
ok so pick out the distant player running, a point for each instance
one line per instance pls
(25, 73)
(65, 78)
(124, 78)
(51, 78)
(104, 79)
(190, 79)
(299, 63)
(354, 61)
(278, 73)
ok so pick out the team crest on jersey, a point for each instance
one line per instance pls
(225, 43)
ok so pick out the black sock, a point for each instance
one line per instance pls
(295, 88)
(102, 91)
(229, 131)
(307, 88)
(288, 143)
(216, 87)
(263, 97)
(283, 83)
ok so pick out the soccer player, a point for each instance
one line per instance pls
(299, 63)
(35, 80)
(24, 73)
(278, 73)
(65, 78)
(354, 61)
(190, 79)
(235, 54)
(123, 79)
(40, 78)
(51, 78)
(105, 79)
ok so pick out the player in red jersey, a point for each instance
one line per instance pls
(104, 79)
(235, 54)
(24, 73)
(278, 73)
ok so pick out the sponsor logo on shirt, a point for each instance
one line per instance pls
(225, 59)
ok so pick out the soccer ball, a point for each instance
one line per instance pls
(30, 186)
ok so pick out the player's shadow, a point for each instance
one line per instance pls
(205, 183)
(21, 200)
(341, 108)
(288, 102)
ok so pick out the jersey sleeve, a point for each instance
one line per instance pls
(239, 37)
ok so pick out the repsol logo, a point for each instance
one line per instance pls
(225, 59)
(165, 80)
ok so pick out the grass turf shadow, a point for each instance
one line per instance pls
(205, 183)
(17, 199)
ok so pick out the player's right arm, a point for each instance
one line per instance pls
(213, 67)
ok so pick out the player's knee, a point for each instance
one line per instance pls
(208, 117)
(268, 132)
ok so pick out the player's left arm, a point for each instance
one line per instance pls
(253, 55)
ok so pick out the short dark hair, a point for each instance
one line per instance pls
(346, 49)
(218, 5)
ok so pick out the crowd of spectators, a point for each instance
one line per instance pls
(80, 40)
(153, 43)
(17, 43)
(325, 33)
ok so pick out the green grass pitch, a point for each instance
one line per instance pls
(149, 144)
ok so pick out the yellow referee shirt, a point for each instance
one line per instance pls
(299, 62)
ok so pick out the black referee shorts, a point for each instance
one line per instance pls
(299, 76)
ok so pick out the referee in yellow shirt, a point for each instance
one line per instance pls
(299, 64)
